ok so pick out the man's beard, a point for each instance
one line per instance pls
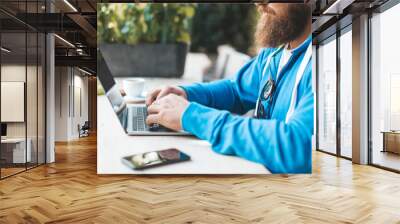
(275, 30)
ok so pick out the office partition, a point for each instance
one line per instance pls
(22, 77)
(14, 147)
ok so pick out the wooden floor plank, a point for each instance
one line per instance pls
(70, 191)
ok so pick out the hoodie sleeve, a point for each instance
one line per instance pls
(281, 147)
(237, 95)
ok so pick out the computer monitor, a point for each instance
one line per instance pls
(3, 129)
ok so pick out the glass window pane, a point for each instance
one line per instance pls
(385, 89)
(32, 88)
(327, 96)
(31, 97)
(41, 99)
(22, 89)
(346, 94)
(13, 87)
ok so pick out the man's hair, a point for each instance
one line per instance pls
(275, 30)
(301, 13)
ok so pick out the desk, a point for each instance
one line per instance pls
(113, 143)
(391, 141)
(18, 150)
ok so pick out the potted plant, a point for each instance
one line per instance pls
(140, 39)
(209, 28)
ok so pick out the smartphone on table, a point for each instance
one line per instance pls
(155, 158)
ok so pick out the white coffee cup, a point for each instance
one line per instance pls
(133, 87)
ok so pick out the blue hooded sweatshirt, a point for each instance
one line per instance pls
(282, 147)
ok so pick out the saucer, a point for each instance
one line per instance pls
(137, 99)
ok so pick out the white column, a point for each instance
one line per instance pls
(50, 93)
(50, 110)
(360, 90)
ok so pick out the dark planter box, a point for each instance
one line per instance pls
(145, 60)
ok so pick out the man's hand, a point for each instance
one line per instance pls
(167, 111)
(161, 92)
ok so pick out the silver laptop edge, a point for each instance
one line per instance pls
(119, 105)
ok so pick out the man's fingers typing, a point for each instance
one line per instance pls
(152, 96)
(154, 108)
(163, 93)
(153, 119)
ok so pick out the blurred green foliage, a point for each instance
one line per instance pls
(100, 89)
(218, 24)
(132, 23)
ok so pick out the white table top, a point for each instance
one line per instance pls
(113, 143)
(13, 140)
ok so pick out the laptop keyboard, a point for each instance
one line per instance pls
(136, 120)
(137, 117)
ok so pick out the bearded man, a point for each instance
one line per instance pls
(277, 84)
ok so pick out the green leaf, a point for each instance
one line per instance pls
(132, 23)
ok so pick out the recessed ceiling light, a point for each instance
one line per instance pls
(84, 71)
(65, 41)
(337, 7)
(70, 5)
(5, 50)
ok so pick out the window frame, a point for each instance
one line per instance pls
(378, 10)
(336, 36)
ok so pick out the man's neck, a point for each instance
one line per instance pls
(298, 41)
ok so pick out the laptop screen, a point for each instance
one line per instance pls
(111, 90)
(104, 74)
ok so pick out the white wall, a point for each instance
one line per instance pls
(61, 103)
(12, 73)
(71, 102)
(33, 127)
(80, 110)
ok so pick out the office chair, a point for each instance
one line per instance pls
(84, 130)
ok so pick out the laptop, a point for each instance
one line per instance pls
(131, 116)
